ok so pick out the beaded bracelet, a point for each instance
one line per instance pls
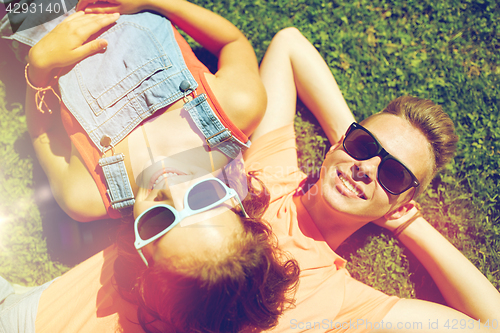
(40, 93)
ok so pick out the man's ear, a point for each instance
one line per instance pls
(335, 146)
(401, 211)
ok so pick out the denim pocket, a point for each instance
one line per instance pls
(127, 68)
(140, 72)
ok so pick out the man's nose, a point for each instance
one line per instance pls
(365, 171)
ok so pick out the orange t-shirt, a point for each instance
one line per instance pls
(85, 300)
(328, 299)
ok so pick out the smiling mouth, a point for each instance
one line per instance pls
(350, 187)
(163, 174)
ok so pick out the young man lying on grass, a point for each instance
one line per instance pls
(372, 173)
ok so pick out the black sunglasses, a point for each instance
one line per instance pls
(392, 175)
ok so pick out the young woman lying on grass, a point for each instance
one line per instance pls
(140, 114)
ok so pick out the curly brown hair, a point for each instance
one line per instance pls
(246, 289)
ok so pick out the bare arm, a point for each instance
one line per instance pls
(412, 315)
(63, 46)
(463, 286)
(292, 66)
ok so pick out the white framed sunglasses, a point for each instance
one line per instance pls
(157, 220)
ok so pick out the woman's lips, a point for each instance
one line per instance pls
(161, 175)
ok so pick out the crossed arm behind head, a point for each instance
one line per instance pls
(472, 298)
(293, 67)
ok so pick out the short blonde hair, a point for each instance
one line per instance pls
(434, 124)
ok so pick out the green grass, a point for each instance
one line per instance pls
(447, 51)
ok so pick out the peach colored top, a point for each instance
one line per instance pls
(328, 298)
(85, 300)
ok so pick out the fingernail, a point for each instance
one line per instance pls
(103, 44)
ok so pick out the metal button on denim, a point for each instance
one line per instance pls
(185, 86)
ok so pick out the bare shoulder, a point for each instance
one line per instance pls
(243, 99)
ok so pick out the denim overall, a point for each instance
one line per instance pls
(141, 71)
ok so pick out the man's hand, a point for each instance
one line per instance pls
(392, 224)
(67, 44)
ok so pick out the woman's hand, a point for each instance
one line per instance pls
(67, 44)
(111, 6)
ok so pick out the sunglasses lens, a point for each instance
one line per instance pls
(394, 176)
(205, 194)
(360, 145)
(155, 221)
